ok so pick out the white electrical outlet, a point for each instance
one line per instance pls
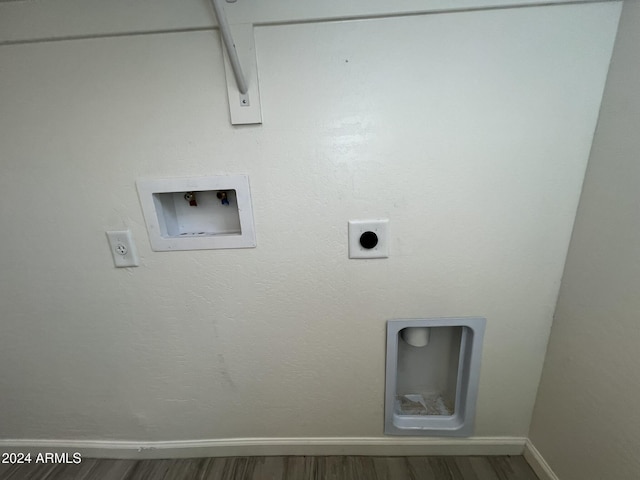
(123, 249)
(369, 239)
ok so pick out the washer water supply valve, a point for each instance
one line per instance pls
(222, 196)
(191, 198)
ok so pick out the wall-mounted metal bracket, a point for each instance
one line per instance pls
(241, 70)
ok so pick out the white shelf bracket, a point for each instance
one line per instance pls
(241, 70)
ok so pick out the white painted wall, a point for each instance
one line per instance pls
(27, 21)
(586, 420)
(469, 131)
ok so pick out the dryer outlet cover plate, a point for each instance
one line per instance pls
(369, 239)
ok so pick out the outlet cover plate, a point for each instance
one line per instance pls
(123, 248)
(379, 227)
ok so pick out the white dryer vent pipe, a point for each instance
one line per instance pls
(416, 336)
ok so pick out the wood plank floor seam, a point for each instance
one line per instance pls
(282, 468)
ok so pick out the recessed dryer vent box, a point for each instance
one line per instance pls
(433, 368)
(198, 213)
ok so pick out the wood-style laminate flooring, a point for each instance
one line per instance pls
(281, 468)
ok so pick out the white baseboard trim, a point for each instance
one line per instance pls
(381, 446)
(537, 462)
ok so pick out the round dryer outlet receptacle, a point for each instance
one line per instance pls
(369, 240)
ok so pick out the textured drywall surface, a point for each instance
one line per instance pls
(586, 422)
(470, 132)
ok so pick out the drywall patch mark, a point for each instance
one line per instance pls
(224, 371)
